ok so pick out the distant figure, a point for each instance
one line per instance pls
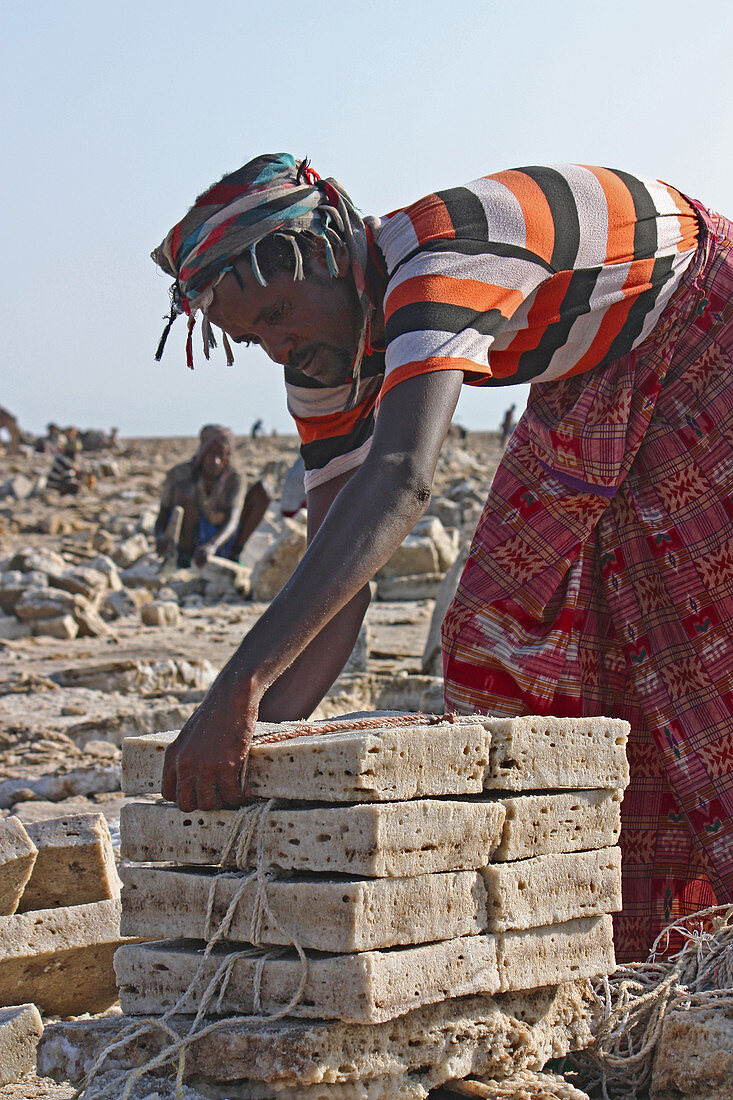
(258, 429)
(218, 517)
(10, 424)
(508, 425)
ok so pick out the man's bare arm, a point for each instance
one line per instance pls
(365, 524)
(299, 690)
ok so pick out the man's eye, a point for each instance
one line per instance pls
(277, 314)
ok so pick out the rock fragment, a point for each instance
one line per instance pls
(17, 856)
(20, 1029)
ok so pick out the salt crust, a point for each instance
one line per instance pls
(370, 986)
(396, 763)
(375, 840)
(368, 914)
(489, 1036)
(694, 1057)
(17, 856)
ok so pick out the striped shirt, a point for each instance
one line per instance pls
(527, 275)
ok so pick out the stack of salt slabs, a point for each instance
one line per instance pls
(399, 906)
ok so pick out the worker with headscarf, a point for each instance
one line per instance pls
(210, 491)
(600, 577)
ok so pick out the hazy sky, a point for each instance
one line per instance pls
(117, 115)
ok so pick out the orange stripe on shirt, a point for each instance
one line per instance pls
(430, 219)
(340, 423)
(470, 293)
(621, 216)
(428, 366)
(540, 228)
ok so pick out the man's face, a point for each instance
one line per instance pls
(214, 460)
(311, 325)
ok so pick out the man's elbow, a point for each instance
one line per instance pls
(415, 488)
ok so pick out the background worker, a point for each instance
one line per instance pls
(600, 577)
(218, 517)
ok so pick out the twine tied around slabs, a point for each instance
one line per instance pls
(634, 1001)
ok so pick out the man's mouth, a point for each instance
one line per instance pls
(305, 363)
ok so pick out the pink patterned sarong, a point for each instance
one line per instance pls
(600, 582)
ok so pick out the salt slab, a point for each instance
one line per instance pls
(370, 986)
(391, 764)
(340, 914)
(372, 839)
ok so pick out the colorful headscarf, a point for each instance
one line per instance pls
(272, 194)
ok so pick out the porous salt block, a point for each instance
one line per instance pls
(20, 1029)
(558, 821)
(61, 958)
(556, 953)
(552, 889)
(368, 987)
(75, 863)
(539, 753)
(326, 914)
(373, 765)
(375, 840)
(340, 914)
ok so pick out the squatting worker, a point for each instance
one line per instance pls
(600, 577)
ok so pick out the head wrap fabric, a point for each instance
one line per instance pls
(273, 193)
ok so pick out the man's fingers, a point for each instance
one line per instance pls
(187, 794)
(170, 776)
(229, 785)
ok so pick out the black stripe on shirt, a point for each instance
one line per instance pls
(466, 212)
(642, 305)
(441, 317)
(564, 211)
(575, 303)
(319, 453)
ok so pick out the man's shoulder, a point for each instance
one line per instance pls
(183, 471)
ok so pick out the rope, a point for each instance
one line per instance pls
(636, 998)
(346, 724)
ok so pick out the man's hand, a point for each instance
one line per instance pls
(205, 766)
(201, 555)
(164, 546)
